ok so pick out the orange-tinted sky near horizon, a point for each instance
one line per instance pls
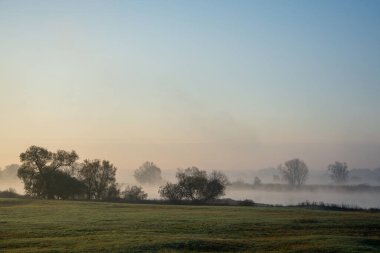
(220, 85)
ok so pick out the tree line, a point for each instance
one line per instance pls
(58, 175)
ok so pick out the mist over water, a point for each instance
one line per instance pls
(275, 197)
(292, 197)
(362, 199)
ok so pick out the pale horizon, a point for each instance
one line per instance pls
(229, 86)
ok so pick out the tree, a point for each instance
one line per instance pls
(38, 166)
(338, 172)
(98, 177)
(134, 193)
(9, 172)
(113, 192)
(64, 186)
(170, 191)
(295, 172)
(195, 185)
(148, 173)
(192, 182)
(257, 181)
(215, 186)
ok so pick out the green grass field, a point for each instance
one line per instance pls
(73, 226)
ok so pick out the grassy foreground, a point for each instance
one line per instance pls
(73, 226)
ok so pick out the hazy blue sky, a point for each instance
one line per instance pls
(216, 84)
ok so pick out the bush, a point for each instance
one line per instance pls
(10, 193)
(247, 202)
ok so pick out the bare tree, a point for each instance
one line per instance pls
(294, 172)
(338, 172)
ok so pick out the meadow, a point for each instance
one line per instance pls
(28, 225)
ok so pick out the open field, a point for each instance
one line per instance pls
(73, 226)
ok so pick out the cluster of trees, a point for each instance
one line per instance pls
(57, 175)
(195, 185)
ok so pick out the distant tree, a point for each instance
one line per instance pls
(194, 184)
(276, 178)
(134, 193)
(38, 166)
(148, 173)
(9, 172)
(377, 174)
(294, 172)
(338, 172)
(257, 181)
(98, 177)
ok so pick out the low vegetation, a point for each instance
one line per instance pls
(30, 225)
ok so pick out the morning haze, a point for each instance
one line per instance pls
(232, 86)
(189, 126)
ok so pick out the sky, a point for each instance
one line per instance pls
(229, 85)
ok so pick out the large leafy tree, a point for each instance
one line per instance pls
(193, 183)
(99, 178)
(39, 168)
